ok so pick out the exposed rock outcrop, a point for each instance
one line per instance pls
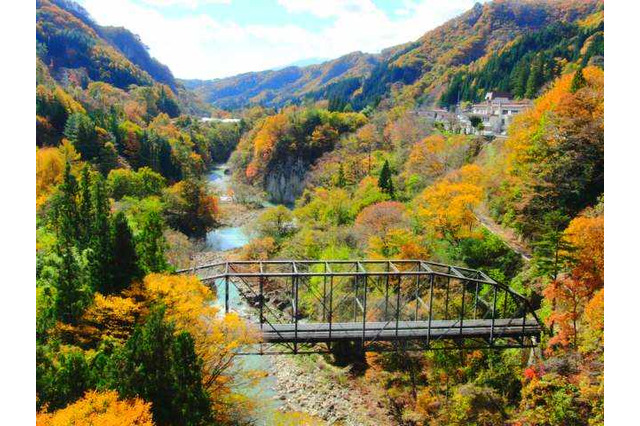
(285, 182)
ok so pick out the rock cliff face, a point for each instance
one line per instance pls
(285, 182)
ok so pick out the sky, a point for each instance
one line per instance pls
(209, 39)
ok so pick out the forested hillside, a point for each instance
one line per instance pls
(119, 191)
(277, 87)
(483, 49)
(397, 188)
(530, 62)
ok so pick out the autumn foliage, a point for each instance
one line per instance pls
(554, 156)
(582, 286)
(447, 207)
(190, 304)
(100, 409)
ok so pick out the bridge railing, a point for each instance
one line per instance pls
(373, 302)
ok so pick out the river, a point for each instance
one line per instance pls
(313, 387)
(226, 238)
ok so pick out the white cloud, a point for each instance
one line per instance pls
(192, 4)
(198, 46)
(328, 8)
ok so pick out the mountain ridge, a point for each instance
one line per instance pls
(278, 86)
(72, 40)
(422, 67)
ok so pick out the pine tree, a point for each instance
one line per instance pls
(72, 295)
(552, 253)
(67, 275)
(65, 209)
(85, 219)
(385, 183)
(151, 245)
(81, 131)
(125, 267)
(535, 80)
(189, 393)
(520, 77)
(162, 368)
(578, 81)
(100, 256)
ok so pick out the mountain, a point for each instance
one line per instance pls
(73, 45)
(421, 68)
(303, 63)
(468, 40)
(532, 61)
(276, 87)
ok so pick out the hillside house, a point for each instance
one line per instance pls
(496, 112)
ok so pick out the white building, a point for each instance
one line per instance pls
(219, 120)
(497, 111)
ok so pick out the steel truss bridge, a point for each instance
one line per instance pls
(309, 306)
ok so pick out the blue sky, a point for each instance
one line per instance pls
(218, 38)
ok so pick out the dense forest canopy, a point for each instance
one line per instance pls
(355, 171)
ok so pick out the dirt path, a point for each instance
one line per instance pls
(507, 235)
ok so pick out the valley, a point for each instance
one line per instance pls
(478, 145)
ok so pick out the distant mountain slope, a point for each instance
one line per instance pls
(525, 66)
(473, 36)
(132, 47)
(303, 63)
(275, 87)
(73, 45)
(422, 69)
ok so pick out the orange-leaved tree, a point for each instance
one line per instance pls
(272, 129)
(554, 155)
(570, 293)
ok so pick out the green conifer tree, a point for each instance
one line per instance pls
(535, 80)
(520, 77)
(65, 208)
(100, 256)
(162, 368)
(578, 81)
(81, 131)
(72, 295)
(385, 183)
(124, 266)
(151, 245)
(85, 218)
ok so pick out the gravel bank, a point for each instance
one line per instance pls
(312, 386)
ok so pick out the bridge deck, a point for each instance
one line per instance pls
(386, 331)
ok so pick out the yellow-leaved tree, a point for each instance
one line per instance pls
(100, 409)
(49, 169)
(190, 305)
(446, 207)
(272, 129)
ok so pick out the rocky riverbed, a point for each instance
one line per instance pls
(309, 384)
